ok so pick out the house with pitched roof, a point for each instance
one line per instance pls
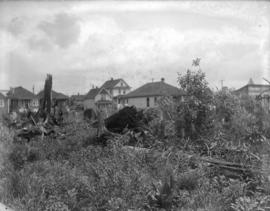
(3, 105)
(98, 98)
(57, 98)
(148, 94)
(116, 87)
(258, 91)
(20, 98)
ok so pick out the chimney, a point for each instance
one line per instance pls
(111, 78)
(12, 90)
(33, 89)
(250, 81)
(162, 79)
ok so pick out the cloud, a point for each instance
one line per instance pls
(22, 71)
(16, 26)
(84, 44)
(64, 30)
(42, 44)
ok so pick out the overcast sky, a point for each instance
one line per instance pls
(85, 43)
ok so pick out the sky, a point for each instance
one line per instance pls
(82, 44)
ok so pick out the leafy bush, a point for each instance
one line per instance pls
(196, 108)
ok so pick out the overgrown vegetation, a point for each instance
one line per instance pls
(70, 171)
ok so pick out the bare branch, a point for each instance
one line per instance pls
(266, 80)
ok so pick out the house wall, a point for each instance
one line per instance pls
(251, 90)
(103, 97)
(16, 104)
(34, 103)
(242, 92)
(115, 91)
(122, 86)
(254, 91)
(141, 102)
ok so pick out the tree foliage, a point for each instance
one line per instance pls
(196, 108)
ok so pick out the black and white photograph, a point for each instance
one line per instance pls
(134, 105)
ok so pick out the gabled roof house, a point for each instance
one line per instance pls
(97, 98)
(258, 91)
(252, 89)
(116, 87)
(20, 98)
(20, 93)
(148, 94)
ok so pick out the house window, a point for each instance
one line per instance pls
(124, 92)
(147, 102)
(103, 97)
(121, 84)
(35, 103)
(155, 100)
(119, 91)
(2, 103)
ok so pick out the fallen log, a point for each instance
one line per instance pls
(231, 169)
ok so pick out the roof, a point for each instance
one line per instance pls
(77, 97)
(252, 85)
(55, 95)
(112, 83)
(92, 93)
(155, 89)
(2, 96)
(20, 93)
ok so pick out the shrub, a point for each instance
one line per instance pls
(18, 156)
(188, 181)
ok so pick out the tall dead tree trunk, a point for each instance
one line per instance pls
(47, 98)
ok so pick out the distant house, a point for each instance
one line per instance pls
(148, 94)
(57, 98)
(252, 89)
(20, 98)
(3, 105)
(261, 91)
(77, 100)
(98, 98)
(116, 88)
